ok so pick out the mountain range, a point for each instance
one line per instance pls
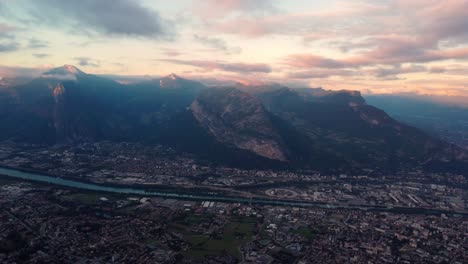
(254, 126)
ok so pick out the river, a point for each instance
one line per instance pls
(36, 177)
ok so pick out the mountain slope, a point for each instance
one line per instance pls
(236, 118)
(262, 127)
(361, 134)
(66, 104)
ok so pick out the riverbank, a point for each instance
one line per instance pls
(35, 177)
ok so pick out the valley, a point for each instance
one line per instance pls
(157, 171)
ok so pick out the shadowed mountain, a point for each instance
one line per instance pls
(363, 135)
(63, 102)
(66, 104)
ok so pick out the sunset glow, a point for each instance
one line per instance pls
(385, 46)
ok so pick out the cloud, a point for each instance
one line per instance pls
(84, 61)
(321, 73)
(311, 23)
(216, 43)
(14, 46)
(5, 27)
(6, 30)
(225, 66)
(247, 27)
(396, 70)
(110, 17)
(402, 49)
(360, 43)
(450, 70)
(242, 17)
(9, 71)
(171, 52)
(437, 70)
(437, 19)
(384, 55)
(432, 22)
(9, 47)
(447, 95)
(311, 60)
(41, 55)
(223, 8)
(61, 77)
(37, 44)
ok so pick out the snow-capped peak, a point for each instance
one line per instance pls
(71, 69)
(170, 81)
(66, 72)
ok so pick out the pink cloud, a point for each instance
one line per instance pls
(384, 55)
(171, 52)
(321, 73)
(426, 23)
(311, 60)
(222, 8)
(5, 27)
(323, 23)
(236, 67)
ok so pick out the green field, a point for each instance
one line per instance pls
(306, 232)
(237, 232)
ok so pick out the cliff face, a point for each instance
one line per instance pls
(59, 117)
(239, 119)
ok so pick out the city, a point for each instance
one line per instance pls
(160, 168)
(47, 224)
(405, 218)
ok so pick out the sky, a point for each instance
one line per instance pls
(375, 46)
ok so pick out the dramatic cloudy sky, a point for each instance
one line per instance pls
(371, 45)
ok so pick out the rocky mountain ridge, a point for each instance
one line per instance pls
(305, 127)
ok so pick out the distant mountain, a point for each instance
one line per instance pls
(445, 120)
(65, 72)
(261, 126)
(170, 93)
(176, 82)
